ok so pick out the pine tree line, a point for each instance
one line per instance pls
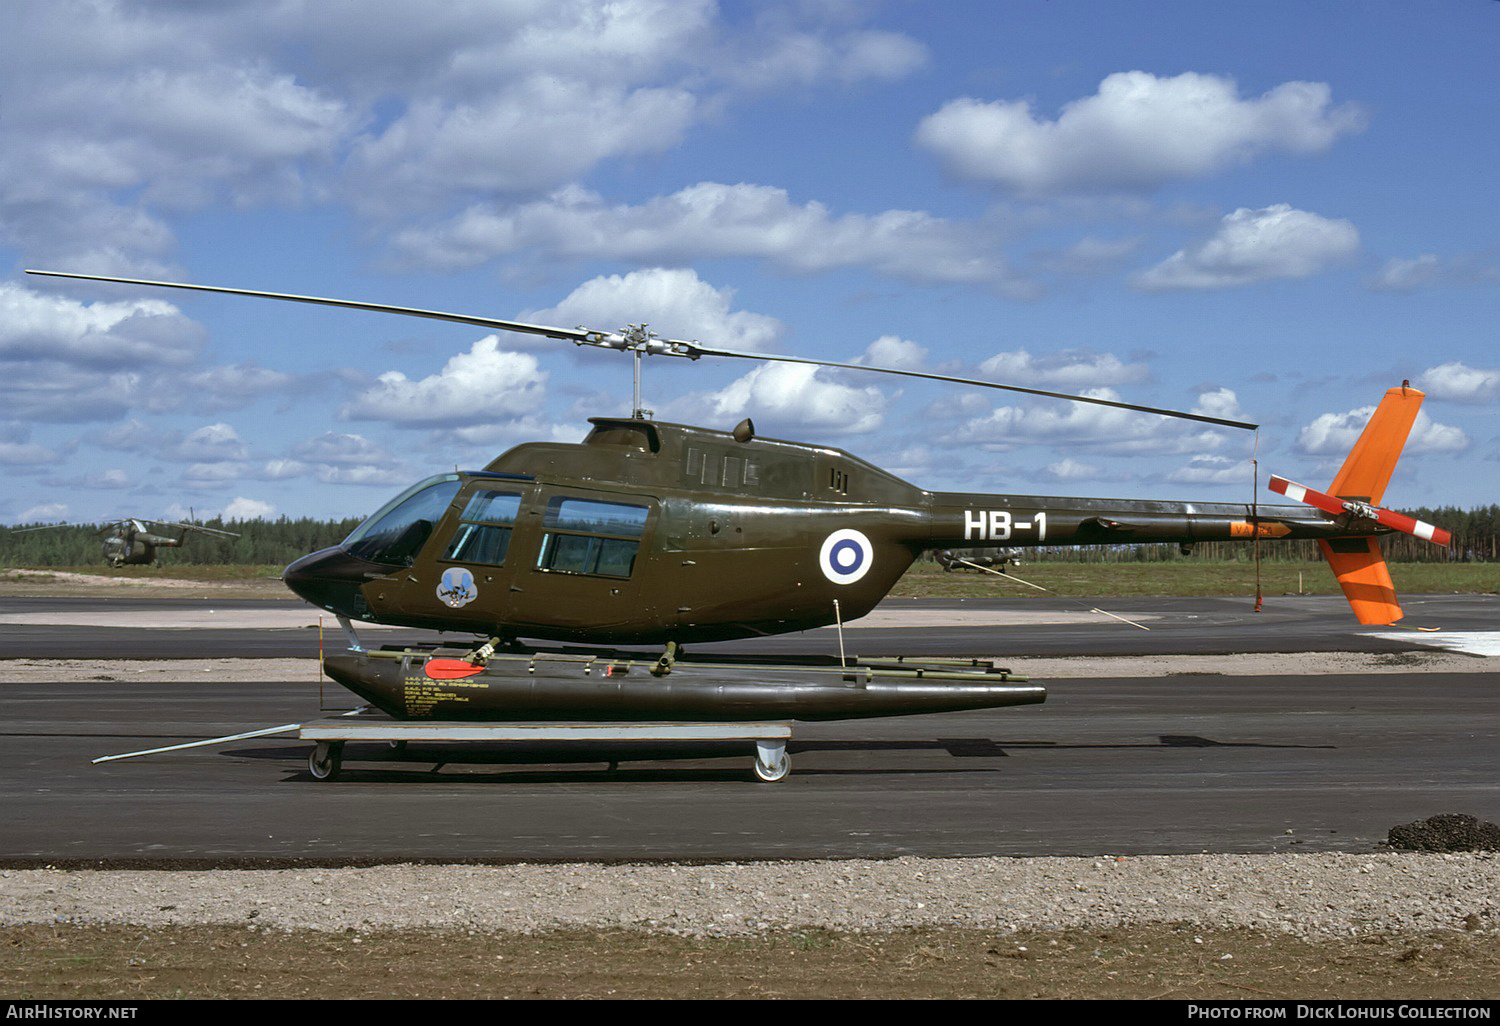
(259, 542)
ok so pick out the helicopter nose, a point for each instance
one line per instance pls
(331, 579)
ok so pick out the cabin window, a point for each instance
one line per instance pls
(395, 534)
(484, 529)
(733, 471)
(588, 537)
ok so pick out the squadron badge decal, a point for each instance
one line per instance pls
(457, 587)
(846, 556)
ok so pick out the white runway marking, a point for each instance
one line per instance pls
(1480, 643)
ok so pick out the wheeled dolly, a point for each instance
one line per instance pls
(772, 763)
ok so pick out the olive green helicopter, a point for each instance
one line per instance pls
(129, 542)
(663, 534)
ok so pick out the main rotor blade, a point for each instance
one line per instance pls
(566, 334)
(703, 350)
(667, 346)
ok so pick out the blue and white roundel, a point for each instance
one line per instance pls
(846, 556)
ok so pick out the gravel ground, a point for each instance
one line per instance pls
(1315, 895)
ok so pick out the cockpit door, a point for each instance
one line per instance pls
(581, 559)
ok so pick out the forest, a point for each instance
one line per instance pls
(259, 542)
(1476, 538)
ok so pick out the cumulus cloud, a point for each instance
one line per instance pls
(114, 477)
(38, 327)
(1069, 469)
(65, 361)
(794, 395)
(894, 352)
(221, 474)
(485, 383)
(1090, 255)
(136, 436)
(1220, 402)
(801, 58)
(1253, 246)
(241, 508)
(710, 220)
(1070, 368)
(340, 448)
(1460, 383)
(1429, 271)
(234, 386)
(1138, 131)
(1211, 469)
(132, 111)
(217, 442)
(537, 135)
(1101, 428)
(282, 469)
(1407, 275)
(19, 454)
(517, 101)
(46, 512)
(338, 458)
(1334, 434)
(674, 302)
(123, 115)
(366, 474)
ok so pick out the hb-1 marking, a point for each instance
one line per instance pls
(998, 525)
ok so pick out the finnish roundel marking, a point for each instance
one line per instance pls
(846, 556)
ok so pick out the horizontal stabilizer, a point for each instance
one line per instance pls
(1337, 506)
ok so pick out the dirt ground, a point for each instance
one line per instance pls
(135, 581)
(125, 963)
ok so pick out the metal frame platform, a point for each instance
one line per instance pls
(326, 759)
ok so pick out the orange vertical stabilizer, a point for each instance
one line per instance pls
(1364, 577)
(1367, 469)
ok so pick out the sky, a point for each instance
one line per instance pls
(1266, 211)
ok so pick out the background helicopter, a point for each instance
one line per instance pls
(952, 561)
(129, 542)
(666, 534)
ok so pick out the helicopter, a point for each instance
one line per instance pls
(129, 542)
(666, 535)
(952, 561)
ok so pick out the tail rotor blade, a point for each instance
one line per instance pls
(1341, 507)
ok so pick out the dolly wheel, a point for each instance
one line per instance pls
(325, 760)
(777, 771)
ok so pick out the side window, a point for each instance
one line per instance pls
(484, 529)
(588, 537)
